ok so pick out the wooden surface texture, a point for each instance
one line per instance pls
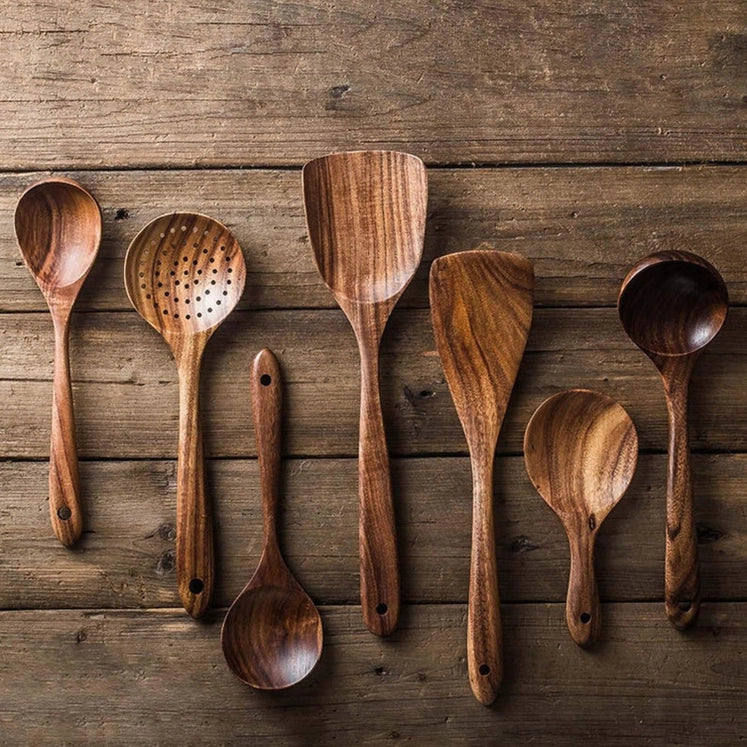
(582, 136)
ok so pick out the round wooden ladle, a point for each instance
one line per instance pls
(58, 226)
(272, 634)
(184, 273)
(672, 304)
(580, 451)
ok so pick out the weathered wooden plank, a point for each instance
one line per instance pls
(126, 394)
(582, 227)
(159, 677)
(126, 558)
(195, 83)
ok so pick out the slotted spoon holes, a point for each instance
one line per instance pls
(182, 250)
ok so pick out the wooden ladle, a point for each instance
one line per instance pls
(672, 304)
(580, 450)
(184, 273)
(272, 633)
(481, 308)
(365, 213)
(58, 226)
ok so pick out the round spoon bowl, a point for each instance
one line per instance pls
(58, 226)
(673, 303)
(184, 273)
(580, 449)
(272, 636)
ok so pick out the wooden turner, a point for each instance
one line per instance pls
(481, 308)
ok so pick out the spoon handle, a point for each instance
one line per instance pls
(64, 482)
(194, 526)
(267, 401)
(583, 613)
(484, 633)
(379, 575)
(681, 577)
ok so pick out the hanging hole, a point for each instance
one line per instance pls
(381, 608)
(196, 585)
(585, 618)
(484, 670)
(64, 513)
(266, 380)
(684, 605)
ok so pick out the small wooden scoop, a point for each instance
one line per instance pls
(672, 304)
(272, 634)
(481, 307)
(366, 217)
(580, 450)
(58, 226)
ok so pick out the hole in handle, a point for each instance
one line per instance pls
(484, 669)
(585, 618)
(381, 608)
(265, 379)
(684, 605)
(64, 513)
(196, 585)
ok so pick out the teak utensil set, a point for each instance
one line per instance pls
(366, 215)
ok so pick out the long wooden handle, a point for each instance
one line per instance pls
(681, 577)
(194, 526)
(484, 633)
(267, 401)
(64, 481)
(583, 612)
(379, 574)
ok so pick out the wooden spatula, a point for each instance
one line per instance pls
(481, 307)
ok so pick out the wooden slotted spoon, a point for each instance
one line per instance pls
(184, 273)
(365, 212)
(481, 308)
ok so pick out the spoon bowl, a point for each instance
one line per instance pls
(672, 304)
(272, 633)
(580, 451)
(184, 273)
(58, 227)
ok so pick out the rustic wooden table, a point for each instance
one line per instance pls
(580, 135)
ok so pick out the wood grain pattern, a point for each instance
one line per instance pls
(165, 264)
(581, 227)
(126, 556)
(672, 304)
(272, 634)
(481, 309)
(648, 682)
(277, 83)
(365, 213)
(123, 367)
(580, 450)
(58, 229)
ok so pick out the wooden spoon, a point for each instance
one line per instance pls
(365, 213)
(58, 226)
(272, 634)
(672, 304)
(580, 450)
(184, 274)
(481, 308)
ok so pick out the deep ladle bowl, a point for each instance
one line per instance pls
(672, 304)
